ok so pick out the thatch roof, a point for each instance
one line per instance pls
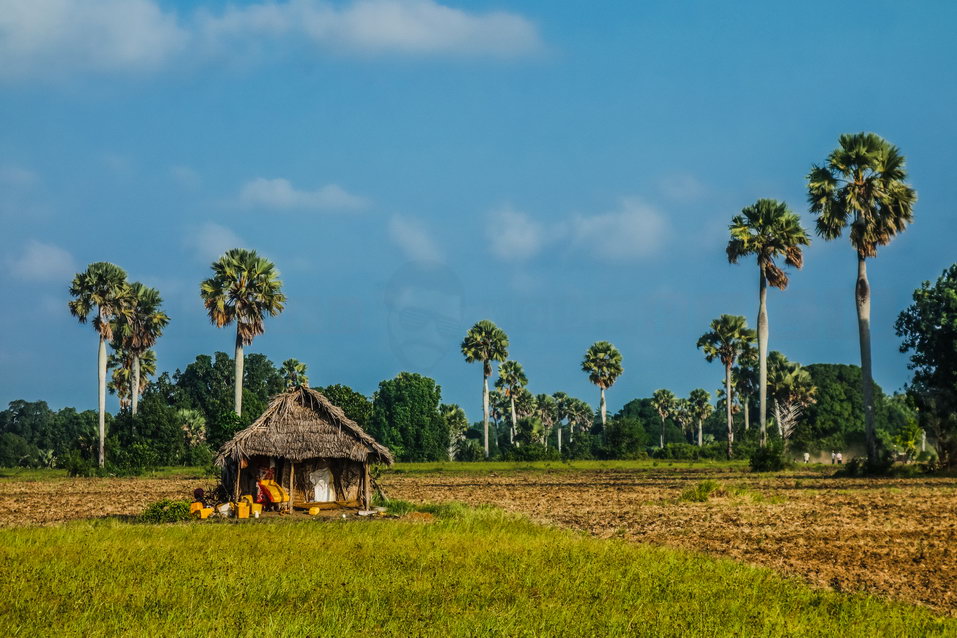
(303, 424)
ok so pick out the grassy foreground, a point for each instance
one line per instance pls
(470, 573)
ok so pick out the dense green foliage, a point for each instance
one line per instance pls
(406, 418)
(470, 573)
(165, 511)
(929, 331)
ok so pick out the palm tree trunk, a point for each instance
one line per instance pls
(604, 411)
(728, 400)
(763, 359)
(101, 377)
(745, 401)
(511, 432)
(135, 387)
(560, 438)
(863, 298)
(485, 410)
(661, 440)
(700, 435)
(238, 393)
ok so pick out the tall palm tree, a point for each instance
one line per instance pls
(861, 186)
(546, 409)
(664, 402)
(744, 378)
(485, 342)
(244, 288)
(791, 389)
(728, 337)
(561, 414)
(684, 416)
(701, 409)
(137, 329)
(580, 416)
(511, 379)
(602, 362)
(121, 362)
(456, 424)
(768, 230)
(293, 373)
(99, 291)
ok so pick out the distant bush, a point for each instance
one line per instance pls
(165, 511)
(771, 458)
(688, 452)
(532, 452)
(470, 450)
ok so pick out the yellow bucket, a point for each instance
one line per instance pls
(205, 512)
(314, 510)
(195, 507)
(242, 509)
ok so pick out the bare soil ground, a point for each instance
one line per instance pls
(891, 537)
(57, 500)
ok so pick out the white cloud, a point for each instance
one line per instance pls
(513, 235)
(634, 230)
(45, 37)
(185, 177)
(279, 193)
(40, 38)
(412, 237)
(209, 241)
(682, 187)
(18, 177)
(42, 262)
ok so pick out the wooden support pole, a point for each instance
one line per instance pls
(239, 471)
(292, 474)
(366, 486)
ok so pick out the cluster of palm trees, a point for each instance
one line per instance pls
(244, 288)
(126, 315)
(860, 187)
(487, 343)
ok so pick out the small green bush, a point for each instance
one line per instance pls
(166, 511)
(701, 491)
(771, 458)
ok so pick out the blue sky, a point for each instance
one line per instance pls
(567, 170)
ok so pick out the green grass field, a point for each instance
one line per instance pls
(469, 573)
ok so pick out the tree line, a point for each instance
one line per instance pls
(860, 188)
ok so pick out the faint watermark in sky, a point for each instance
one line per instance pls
(424, 313)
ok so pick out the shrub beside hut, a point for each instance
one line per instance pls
(310, 448)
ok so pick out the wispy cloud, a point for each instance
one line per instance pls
(413, 239)
(209, 240)
(632, 230)
(279, 194)
(39, 261)
(185, 176)
(513, 235)
(43, 37)
(40, 38)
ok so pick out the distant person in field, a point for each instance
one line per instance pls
(807, 457)
(840, 458)
(833, 458)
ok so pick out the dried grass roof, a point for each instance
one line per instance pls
(303, 424)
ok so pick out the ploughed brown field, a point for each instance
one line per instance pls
(892, 537)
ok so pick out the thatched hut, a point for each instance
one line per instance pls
(310, 447)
